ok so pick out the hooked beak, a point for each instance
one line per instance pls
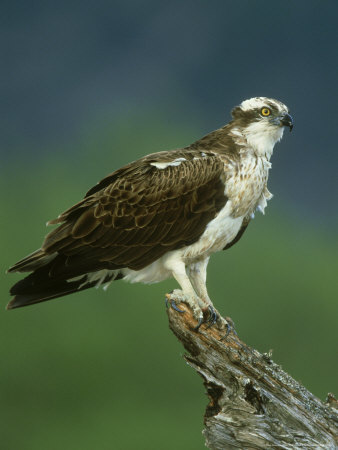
(287, 121)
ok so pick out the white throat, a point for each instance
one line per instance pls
(262, 137)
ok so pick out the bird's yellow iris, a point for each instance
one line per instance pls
(266, 111)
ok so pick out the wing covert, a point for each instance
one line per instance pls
(142, 213)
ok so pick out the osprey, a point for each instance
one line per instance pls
(163, 215)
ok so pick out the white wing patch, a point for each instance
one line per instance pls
(164, 165)
(202, 154)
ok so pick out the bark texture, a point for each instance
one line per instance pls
(253, 403)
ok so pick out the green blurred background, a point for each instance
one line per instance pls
(87, 87)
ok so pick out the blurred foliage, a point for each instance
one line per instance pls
(101, 369)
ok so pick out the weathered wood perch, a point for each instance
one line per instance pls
(253, 404)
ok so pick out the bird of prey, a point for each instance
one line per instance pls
(163, 215)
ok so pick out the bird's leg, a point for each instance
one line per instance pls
(197, 273)
(188, 294)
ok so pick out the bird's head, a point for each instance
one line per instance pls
(262, 121)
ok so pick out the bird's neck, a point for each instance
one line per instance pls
(254, 138)
(260, 139)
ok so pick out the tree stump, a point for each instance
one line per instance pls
(253, 403)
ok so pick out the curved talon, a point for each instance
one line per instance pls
(211, 320)
(229, 329)
(200, 321)
(175, 307)
(213, 315)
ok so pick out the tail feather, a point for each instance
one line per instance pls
(56, 272)
(36, 288)
(32, 262)
(43, 294)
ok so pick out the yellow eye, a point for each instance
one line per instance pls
(265, 111)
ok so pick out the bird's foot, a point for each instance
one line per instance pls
(169, 302)
(177, 296)
(210, 317)
(207, 315)
(230, 328)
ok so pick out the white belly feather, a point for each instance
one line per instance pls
(218, 233)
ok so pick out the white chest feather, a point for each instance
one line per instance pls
(246, 185)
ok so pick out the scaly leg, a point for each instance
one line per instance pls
(197, 273)
(188, 294)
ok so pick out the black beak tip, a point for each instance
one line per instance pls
(287, 121)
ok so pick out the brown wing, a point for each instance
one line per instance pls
(138, 213)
